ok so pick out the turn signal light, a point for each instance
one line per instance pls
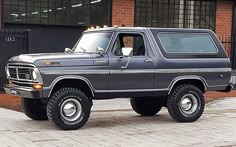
(38, 86)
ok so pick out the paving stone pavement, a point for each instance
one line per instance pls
(113, 124)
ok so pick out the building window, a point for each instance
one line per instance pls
(58, 12)
(176, 13)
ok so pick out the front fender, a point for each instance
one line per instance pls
(60, 78)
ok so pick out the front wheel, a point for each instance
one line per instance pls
(69, 109)
(186, 103)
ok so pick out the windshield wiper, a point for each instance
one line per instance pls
(84, 50)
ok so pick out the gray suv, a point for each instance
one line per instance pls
(154, 67)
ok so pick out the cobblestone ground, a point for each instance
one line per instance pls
(113, 123)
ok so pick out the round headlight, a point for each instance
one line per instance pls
(34, 75)
(7, 72)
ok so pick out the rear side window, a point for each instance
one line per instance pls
(187, 43)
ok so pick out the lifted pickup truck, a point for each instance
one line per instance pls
(154, 67)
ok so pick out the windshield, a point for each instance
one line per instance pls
(90, 42)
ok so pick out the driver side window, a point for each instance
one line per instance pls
(134, 41)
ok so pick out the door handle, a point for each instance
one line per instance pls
(148, 60)
(126, 65)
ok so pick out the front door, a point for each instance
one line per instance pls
(134, 74)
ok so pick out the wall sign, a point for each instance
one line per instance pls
(10, 39)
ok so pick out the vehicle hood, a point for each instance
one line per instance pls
(56, 59)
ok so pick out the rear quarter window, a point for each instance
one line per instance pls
(190, 43)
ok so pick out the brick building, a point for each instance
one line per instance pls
(124, 12)
(42, 16)
(49, 19)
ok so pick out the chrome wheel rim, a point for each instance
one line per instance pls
(71, 110)
(188, 104)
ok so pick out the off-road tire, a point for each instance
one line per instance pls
(174, 103)
(55, 115)
(34, 108)
(146, 106)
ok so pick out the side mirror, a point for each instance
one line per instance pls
(127, 51)
(68, 50)
(100, 50)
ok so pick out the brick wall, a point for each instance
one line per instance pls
(10, 102)
(224, 11)
(123, 12)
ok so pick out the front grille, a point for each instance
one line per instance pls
(25, 73)
(21, 73)
(13, 73)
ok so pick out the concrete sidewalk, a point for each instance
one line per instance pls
(113, 123)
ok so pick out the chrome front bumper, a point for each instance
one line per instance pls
(26, 92)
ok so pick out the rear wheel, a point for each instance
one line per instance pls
(146, 106)
(34, 108)
(69, 108)
(186, 103)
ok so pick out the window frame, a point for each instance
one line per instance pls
(31, 19)
(188, 53)
(131, 33)
(151, 16)
(109, 43)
